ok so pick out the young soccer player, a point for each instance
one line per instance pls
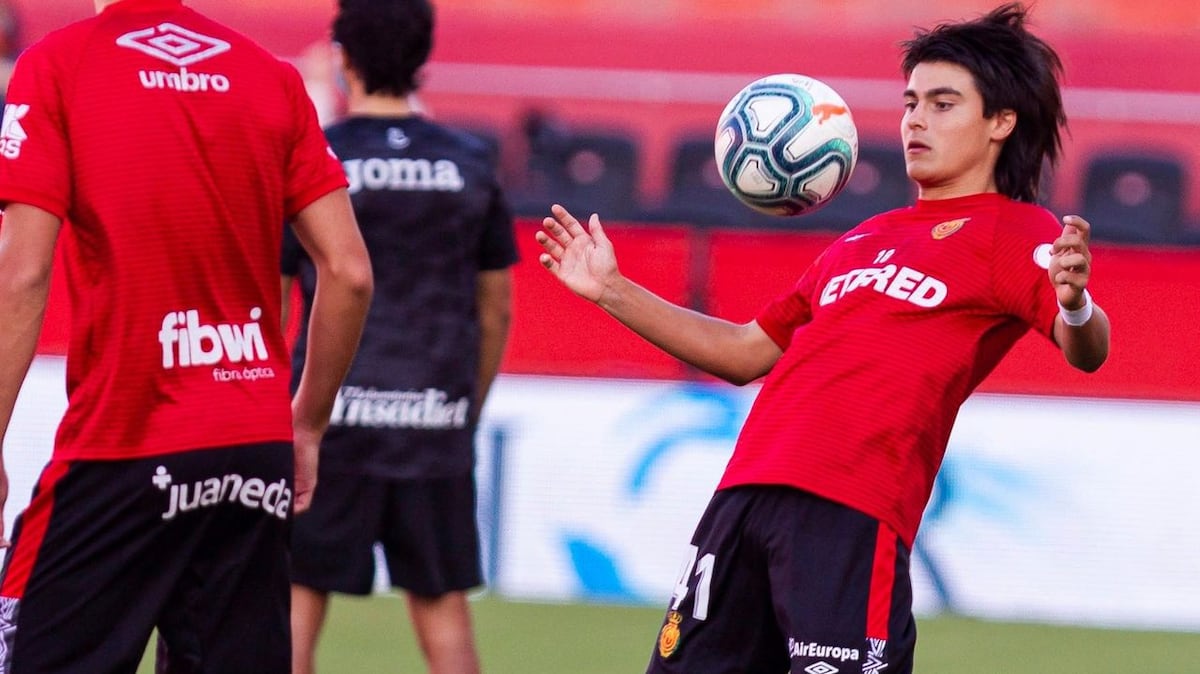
(397, 466)
(802, 556)
(174, 148)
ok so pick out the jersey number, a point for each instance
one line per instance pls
(704, 570)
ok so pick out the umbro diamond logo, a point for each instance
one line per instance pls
(174, 44)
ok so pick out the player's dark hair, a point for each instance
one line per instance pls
(385, 41)
(1013, 70)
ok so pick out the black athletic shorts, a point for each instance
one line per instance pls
(193, 543)
(426, 528)
(778, 580)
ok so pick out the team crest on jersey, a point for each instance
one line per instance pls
(668, 638)
(945, 229)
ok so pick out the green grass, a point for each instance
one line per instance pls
(366, 636)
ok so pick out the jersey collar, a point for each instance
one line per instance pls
(135, 6)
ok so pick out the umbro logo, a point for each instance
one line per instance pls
(181, 48)
(174, 44)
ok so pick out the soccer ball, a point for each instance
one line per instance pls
(786, 144)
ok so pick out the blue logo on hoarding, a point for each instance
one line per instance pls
(721, 411)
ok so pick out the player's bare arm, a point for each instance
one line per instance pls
(1085, 346)
(27, 239)
(584, 260)
(329, 233)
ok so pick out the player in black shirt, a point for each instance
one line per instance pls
(397, 462)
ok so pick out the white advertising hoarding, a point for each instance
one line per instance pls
(1079, 511)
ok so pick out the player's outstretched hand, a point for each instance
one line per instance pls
(583, 259)
(1071, 261)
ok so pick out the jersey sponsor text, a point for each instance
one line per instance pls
(402, 174)
(255, 494)
(12, 134)
(186, 342)
(184, 80)
(811, 649)
(902, 283)
(372, 408)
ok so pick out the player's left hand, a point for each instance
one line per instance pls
(1071, 261)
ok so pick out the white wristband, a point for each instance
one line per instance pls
(1077, 317)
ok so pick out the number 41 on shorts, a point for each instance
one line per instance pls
(701, 568)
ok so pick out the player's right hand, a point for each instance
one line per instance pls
(583, 259)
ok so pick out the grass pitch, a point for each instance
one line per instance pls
(371, 635)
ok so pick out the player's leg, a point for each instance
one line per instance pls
(848, 604)
(444, 632)
(91, 564)
(432, 549)
(308, 616)
(720, 619)
(332, 551)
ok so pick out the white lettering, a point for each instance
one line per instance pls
(902, 286)
(274, 499)
(184, 80)
(370, 408)
(930, 293)
(811, 649)
(195, 343)
(903, 283)
(403, 174)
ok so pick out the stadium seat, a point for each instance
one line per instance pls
(879, 183)
(1134, 198)
(696, 194)
(585, 171)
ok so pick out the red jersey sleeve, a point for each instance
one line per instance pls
(35, 163)
(785, 314)
(1023, 237)
(313, 168)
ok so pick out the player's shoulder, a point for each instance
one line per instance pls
(1026, 218)
(459, 139)
(65, 43)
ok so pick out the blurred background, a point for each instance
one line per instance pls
(598, 453)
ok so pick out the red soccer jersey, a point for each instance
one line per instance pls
(884, 337)
(175, 148)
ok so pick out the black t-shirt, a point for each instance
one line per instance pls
(433, 216)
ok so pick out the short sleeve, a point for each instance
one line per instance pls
(1020, 279)
(498, 247)
(785, 314)
(35, 162)
(313, 169)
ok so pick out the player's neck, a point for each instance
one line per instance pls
(101, 4)
(376, 105)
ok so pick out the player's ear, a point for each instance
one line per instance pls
(1003, 123)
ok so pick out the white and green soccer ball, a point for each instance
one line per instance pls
(786, 144)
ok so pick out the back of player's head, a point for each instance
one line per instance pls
(385, 41)
(1013, 70)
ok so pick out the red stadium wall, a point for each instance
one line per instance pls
(1128, 82)
(1148, 293)
(674, 61)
